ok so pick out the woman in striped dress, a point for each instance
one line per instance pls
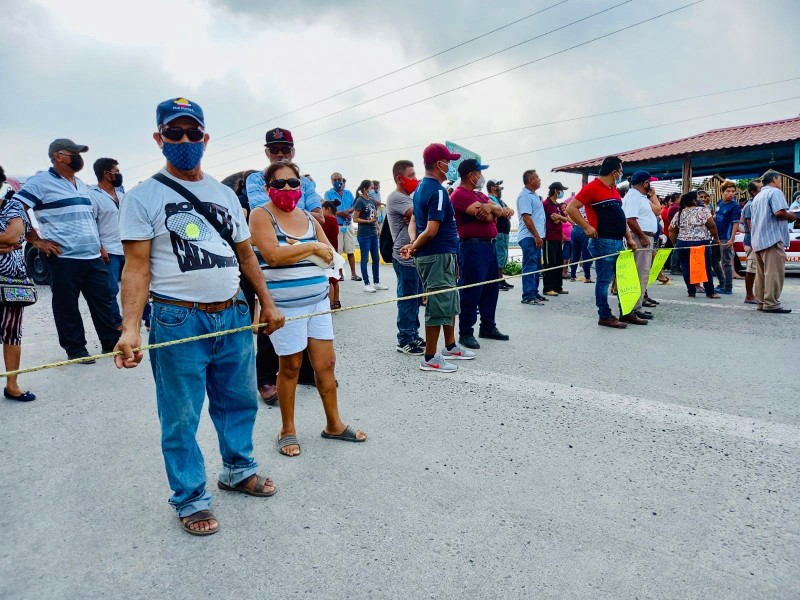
(294, 260)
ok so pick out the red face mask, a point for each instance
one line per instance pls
(286, 200)
(409, 185)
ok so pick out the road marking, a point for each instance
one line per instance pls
(709, 421)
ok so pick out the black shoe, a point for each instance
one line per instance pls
(776, 311)
(468, 341)
(504, 285)
(643, 314)
(493, 334)
(542, 298)
(23, 397)
(84, 354)
(412, 348)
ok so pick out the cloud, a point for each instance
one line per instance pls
(76, 70)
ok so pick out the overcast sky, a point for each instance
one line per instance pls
(94, 71)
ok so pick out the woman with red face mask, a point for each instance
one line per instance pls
(294, 260)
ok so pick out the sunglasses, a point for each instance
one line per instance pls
(279, 184)
(279, 149)
(175, 134)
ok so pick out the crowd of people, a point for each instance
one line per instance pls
(195, 259)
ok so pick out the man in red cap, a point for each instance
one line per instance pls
(434, 243)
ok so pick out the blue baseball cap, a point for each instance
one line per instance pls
(470, 166)
(641, 176)
(169, 110)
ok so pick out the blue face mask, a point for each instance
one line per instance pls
(337, 185)
(621, 176)
(560, 195)
(184, 156)
(373, 194)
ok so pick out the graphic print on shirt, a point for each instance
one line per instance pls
(185, 227)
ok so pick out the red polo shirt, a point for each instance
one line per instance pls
(467, 225)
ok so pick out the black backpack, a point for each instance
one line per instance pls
(386, 243)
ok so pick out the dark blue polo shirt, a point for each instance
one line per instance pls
(432, 203)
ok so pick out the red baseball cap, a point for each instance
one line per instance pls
(437, 152)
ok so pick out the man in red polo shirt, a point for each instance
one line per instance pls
(476, 217)
(606, 227)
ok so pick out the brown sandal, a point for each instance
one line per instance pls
(241, 487)
(203, 515)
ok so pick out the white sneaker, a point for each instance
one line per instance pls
(380, 286)
(437, 363)
(369, 289)
(458, 353)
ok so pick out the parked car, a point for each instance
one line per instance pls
(792, 252)
(34, 260)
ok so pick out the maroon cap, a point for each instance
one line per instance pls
(437, 152)
(280, 136)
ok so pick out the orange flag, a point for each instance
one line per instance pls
(697, 265)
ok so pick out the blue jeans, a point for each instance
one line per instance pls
(222, 367)
(683, 258)
(605, 272)
(477, 261)
(115, 264)
(408, 284)
(531, 261)
(580, 251)
(369, 247)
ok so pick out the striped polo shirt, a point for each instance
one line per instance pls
(64, 213)
(766, 229)
(300, 284)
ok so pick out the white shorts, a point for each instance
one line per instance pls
(293, 337)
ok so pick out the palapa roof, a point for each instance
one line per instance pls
(743, 136)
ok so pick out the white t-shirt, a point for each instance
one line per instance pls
(637, 206)
(189, 260)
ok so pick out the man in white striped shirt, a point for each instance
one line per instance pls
(769, 234)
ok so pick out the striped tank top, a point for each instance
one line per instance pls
(300, 284)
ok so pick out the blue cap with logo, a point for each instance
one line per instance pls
(169, 110)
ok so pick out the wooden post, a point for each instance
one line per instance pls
(687, 174)
(584, 179)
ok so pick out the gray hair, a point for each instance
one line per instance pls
(527, 175)
(769, 177)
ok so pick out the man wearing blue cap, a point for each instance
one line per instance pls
(640, 214)
(476, 219)
(185, 238)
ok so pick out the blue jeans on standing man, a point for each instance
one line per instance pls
(531, 261)
(115, 264)
(580, 251)
(605, 272)
(222, 367)
(408, 284)
(369, 247)
(477, 261)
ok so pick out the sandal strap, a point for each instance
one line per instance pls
(289, 440)
(203, 515)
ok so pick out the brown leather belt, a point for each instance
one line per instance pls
(210, 307)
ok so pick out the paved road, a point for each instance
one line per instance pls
(571, 462)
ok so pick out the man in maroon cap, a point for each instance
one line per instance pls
(280, 149)
(434, 243)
